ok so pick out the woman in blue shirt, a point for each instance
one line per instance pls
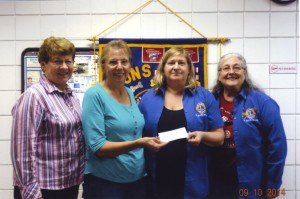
(179, 170)
(113, 127)
(250, 162)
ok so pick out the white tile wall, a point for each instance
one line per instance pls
(6, 177)
(53, 25)
(153, 26)
(206, 23)
(7, 75)
(78, 26)
(5, 126)
(298, 41)
(234, 45)
(8, 99)
(83, 43)
(262, 31)
(78, 7)
(230, 25)
(5, 152)
(286, 99)
(257, 5)
(127, 6)
(179, 5)
(231, 5)
(255, 54)
(288, 195)
(298, 76)
(28, 27)
(7, 7)
(101, 22)
(27, 7)
(204, 5)
(6, 194)
(212, 74)
(259, 74)
(154, 7)
(289, 181)
(283, 50)
(174, 23)
(282, 80)
(298, 130)
(53, 7)
(283, 24)
(291, 156)
(289, 123)
(267, 91)
(298, 178)
(298, 100)
(298, 154)
(126, 28)
(256, 24)
(101, 6)
(212, 53)
(17, 80)
(8, 31)
(7, 53)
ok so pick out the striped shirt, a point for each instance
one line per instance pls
(47, 146)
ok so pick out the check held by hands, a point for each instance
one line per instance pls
(194, 138)
(152, 143)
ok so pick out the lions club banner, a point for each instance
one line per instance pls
(146, 54)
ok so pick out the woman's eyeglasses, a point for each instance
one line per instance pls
(59, 62)
(236, 69)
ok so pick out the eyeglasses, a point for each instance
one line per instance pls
(59, 62)
(236, 69)
(114, 63)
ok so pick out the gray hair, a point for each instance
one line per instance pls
(247, 85)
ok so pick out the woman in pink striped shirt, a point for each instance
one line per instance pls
(47, 146)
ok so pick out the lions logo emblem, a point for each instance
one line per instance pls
(249, 114)
(201, 109)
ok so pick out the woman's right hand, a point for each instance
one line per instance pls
(151, 143)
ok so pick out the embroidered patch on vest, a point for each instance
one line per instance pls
(249, 114)
(201, 109)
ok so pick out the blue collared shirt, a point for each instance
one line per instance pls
(202, 114)
(260, 141)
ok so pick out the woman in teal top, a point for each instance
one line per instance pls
(113, 127)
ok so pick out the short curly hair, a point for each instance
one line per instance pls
(55, 46)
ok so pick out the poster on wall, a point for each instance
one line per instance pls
(147, 53)
(84, 76)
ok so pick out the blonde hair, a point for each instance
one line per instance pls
(159, 79)
(114, 44)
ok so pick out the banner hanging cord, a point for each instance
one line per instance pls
(125, 17)
(177, 15)
(219, 40)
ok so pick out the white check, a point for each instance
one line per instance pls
(175, 134)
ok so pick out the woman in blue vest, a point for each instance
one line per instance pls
(250, 162)
(179, 170)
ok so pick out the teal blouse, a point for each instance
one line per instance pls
(104, 119)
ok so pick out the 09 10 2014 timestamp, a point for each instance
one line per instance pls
(272, 193)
